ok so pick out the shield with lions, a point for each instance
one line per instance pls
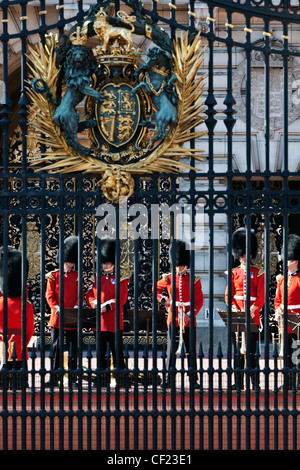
(118, 115)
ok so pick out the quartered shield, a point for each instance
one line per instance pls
(118, 115)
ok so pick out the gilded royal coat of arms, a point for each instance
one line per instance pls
(140, 107)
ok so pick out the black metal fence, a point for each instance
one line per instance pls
(133, 408)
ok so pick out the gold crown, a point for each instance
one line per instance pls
(115, 54)
(79, 36)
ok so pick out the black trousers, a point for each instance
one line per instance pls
(291, 337)
(240, 359)
(72, 345)
(109, 338)
(292, 378)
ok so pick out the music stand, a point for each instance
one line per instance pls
(293, 321)
(238, 321)
(144, 319)
(71, 317)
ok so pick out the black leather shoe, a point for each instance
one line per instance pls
(166, 384)
(73, 385)
(235, 387)
(52, 383)
(195, 385)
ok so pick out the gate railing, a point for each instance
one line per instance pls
(134, 408)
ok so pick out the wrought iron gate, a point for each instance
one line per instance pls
(247, 178)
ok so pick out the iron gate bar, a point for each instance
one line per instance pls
(258, 11)
(229, 123)
(267, 221)
(210, 122)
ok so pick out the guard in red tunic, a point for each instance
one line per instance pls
(183, 302)
(293, 297)
(107, 299)
(13, 341)
(70, 301)
(239, 294)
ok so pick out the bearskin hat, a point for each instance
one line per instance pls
(70, 250)
(108, 251)
(14, 272)
(182, 253)
(239, 243)
(293, 247)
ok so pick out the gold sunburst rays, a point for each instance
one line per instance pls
(42, 129)
(166, 158)
(188, 59)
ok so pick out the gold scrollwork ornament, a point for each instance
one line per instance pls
(116, 184)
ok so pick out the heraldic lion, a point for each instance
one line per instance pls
(78, 67)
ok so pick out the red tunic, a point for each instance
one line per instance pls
(14, 325)
(257, 291)
(70, 293)
(182, 294)
(108, 297)
(293, 296)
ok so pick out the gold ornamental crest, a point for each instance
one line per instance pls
(138, 114)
